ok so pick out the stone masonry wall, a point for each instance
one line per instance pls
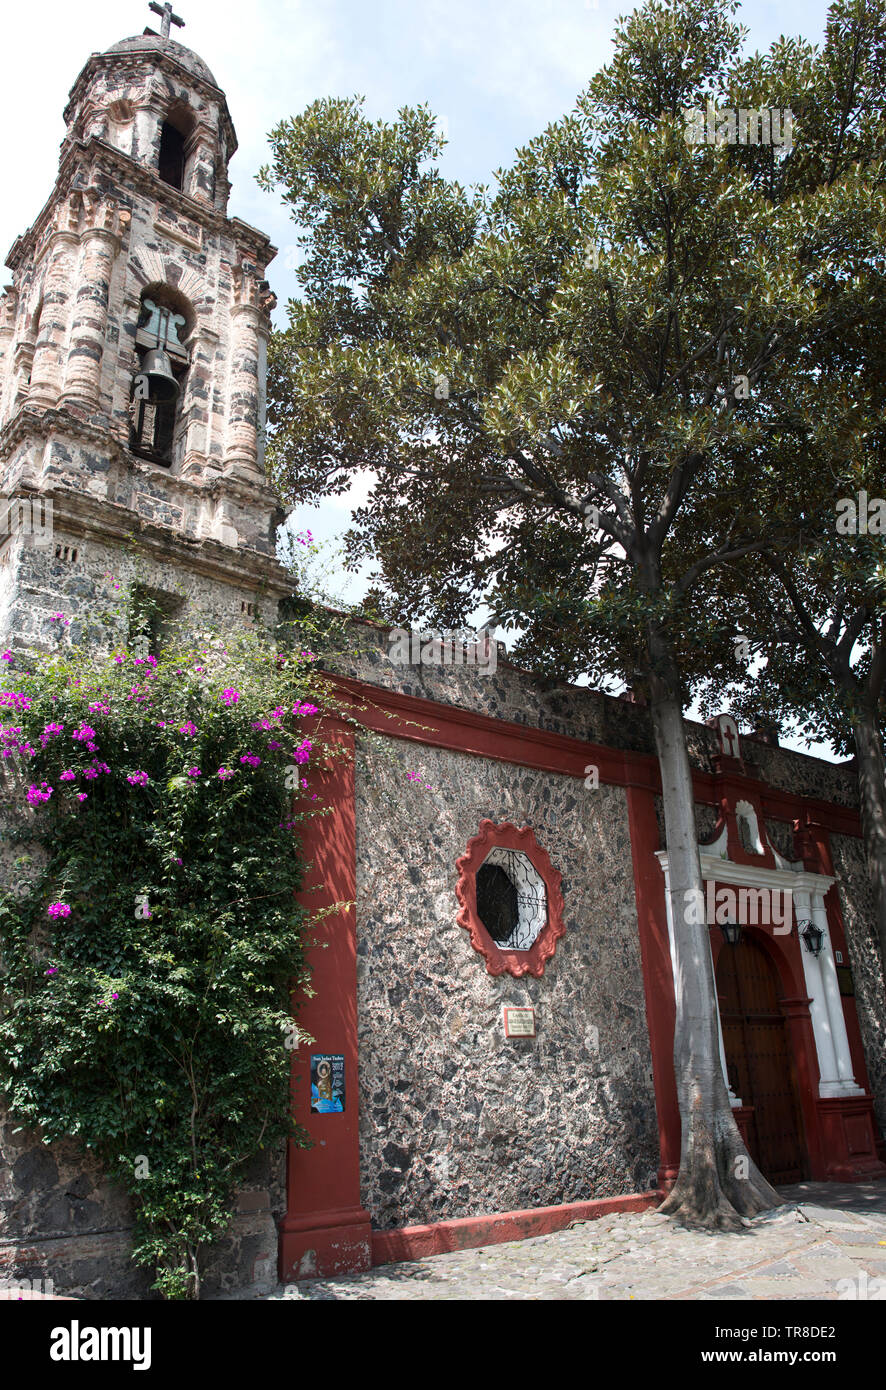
(455, 1119)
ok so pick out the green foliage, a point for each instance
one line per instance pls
(151, 1019)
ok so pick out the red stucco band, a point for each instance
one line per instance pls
(469, 1232)
(448, 726)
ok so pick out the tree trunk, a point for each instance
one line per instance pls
(872, 796)
(718, 1182)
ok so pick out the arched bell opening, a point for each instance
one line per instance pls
(157, 415)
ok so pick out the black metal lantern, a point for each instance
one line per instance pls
(812, 935)
(732, 932)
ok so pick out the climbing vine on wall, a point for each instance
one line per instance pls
(149, 934)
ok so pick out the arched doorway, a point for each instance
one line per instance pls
(759, 1059)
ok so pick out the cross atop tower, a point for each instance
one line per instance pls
(167, 17)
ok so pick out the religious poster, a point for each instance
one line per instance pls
(327, 1083)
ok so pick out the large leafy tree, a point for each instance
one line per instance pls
(564, 388)
(815, 609)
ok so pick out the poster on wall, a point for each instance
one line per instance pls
(327, 1083)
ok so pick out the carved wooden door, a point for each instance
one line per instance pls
(759, 1059)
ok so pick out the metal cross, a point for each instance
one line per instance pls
(167, 17)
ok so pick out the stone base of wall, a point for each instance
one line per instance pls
(85, 1223)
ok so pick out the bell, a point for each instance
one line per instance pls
(162, 385)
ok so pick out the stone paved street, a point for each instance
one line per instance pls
(829, 1243)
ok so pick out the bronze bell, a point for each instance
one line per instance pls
(162, 385)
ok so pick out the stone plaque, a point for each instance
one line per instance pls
(519, 1023)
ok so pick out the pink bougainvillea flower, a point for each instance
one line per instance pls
(305, 708)
(251, 758)
(100, 708)
(274, 745)
(54, 729)
(303, 751)
(137, 779)
(15, 699)
(82, 796)
(7, 656)
(90, 772)
(194, 772)
(229, 696)
(84, 734)
(190, 729)
(224, 774)
(68, 776)
(53, 970)
(36, 795)
(179, 861)
(60, 618)
(58, 910)
(119, 659)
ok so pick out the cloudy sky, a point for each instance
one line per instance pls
(494, 71)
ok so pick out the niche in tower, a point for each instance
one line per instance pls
(157, 417)
(175, 134)
(171, 165)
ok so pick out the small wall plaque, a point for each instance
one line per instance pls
(327, 1083)
(519, 1023)
(844, 980)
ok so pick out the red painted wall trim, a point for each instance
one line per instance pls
(464, 731)
(325, 1230)
(469, 1232)
(658, 977)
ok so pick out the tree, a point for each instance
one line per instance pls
(818, 617)
(563, 388)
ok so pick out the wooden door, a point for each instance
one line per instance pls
(759, 1059)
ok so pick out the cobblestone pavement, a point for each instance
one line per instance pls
(829, 1243)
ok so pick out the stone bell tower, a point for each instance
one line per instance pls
(133, 345)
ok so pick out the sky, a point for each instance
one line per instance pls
(495, 72)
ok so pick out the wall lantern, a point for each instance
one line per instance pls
(732, 932)
(812, 935)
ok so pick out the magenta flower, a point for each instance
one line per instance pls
(179, 861)
(84, 734)
(60, 618)
(304, 708)
(68, 776)
(224, 774)
(137, 779)
(119, 660)
(36, 795)
(190, 729)
(53, 970)
(194, 772)
(303, 751)
(7, 656)
(52, 729)
(229, 697)
(82, 796)
(58, 910)
(252, 759)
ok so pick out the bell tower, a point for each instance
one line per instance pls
(133, 349)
